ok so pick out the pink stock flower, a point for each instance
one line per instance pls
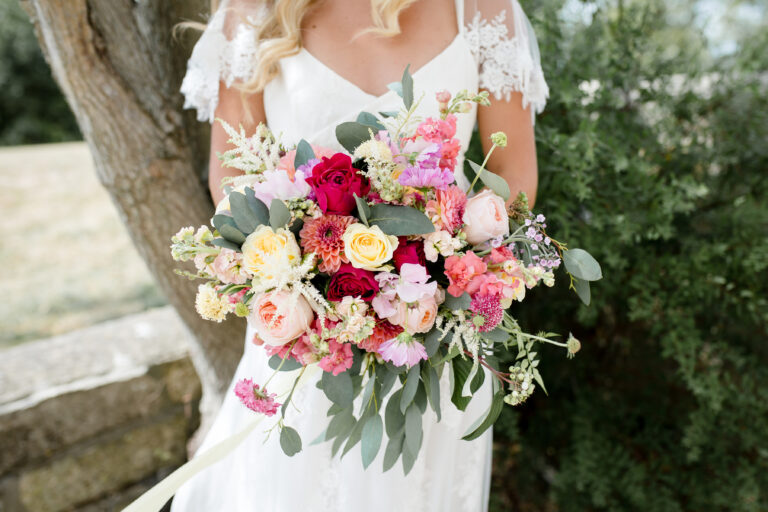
(403, 350)
(437, 130)
(446, 211)
(489, 308)
(257, 400)
(461, 269)
(340, 358)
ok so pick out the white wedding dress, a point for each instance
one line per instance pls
(495, 49)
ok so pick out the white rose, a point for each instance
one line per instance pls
(485, 217)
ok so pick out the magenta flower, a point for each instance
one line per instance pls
(403, 350)
(340, 358)
(488, 307)
(429, 177)
(257, 400)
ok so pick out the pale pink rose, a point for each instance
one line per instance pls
(280, 317)
(485, 217)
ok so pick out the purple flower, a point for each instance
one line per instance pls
(421, 177)
(530, 233)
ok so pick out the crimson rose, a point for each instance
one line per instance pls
(334, 182)
(352, 282)
(409, 252)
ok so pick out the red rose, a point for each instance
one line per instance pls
(334, 182)
(409, 252)
(352, 282)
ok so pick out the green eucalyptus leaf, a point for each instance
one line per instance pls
(341, 424)
(389, 113)
(421, 398)
(432, 387)
(354, 436)
(394, 420)
(304, 154)
(226, 244)
(339, 388)
(407, 87)
(289, 364)
(497, 404)
(394, 449)
(413, 430)
(257, 206)
(290, 441)
(373, 431)
(246, 219)
(410, 388)
(498, 335)
(351, 134)
(397, 87)
(409, 459)
(386, 378)
(399, 220)
(279, 214)
(363, 210)
(432, 341)
(367, 393)
(496, 183)
(460, 303)
(368, 119)
(232, 234)
(583, 291)
(461, 370)
(220, 219)
(582, 265)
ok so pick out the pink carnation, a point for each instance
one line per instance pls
(402, 350)
(489, 308)
(257, 400)
(340, 358)
(461, 269)
(437, 130)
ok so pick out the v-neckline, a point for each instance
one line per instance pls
(366, 93)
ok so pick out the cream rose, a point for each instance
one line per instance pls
(368, 247)
(485, 217)
(268, 253)
(280, 317)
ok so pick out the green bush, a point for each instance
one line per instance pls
(32, 108)
(661, 175)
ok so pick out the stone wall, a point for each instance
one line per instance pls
(91, 419)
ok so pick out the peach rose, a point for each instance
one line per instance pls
(417, 318)
(485, 217)
(280, 317)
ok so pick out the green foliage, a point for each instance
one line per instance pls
(32, 108)
(661, 174)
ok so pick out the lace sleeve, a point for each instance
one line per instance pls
(226, 51)
(504, 44)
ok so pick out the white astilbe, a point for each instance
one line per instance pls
(255, 154)
(465, 339)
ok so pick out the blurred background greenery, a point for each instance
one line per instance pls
(652, 155)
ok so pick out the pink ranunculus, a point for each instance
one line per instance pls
(339, 360)
(485, 217)
(402, 350)
(461, 269)
(279, 317)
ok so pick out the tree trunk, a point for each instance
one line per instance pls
(120, 71)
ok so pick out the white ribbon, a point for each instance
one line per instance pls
(155, 498)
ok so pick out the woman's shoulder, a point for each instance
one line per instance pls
(225, 52)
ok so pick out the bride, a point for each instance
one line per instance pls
(302, 67)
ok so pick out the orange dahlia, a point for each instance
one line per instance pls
(323, 237)
(447, 209)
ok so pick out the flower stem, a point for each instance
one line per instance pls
(482, 167)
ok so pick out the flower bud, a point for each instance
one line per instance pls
(573, 344)
(443, 96)
(499, 138)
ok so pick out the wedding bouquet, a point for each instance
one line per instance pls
(376, 267)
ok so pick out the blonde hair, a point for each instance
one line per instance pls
(279, 31)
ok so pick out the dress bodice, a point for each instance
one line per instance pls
(495, 50)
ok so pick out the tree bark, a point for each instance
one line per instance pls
(120, 70)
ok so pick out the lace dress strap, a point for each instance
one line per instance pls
(226, 52)
(504, 45)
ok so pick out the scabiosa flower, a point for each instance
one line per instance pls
(403, 350)
(323, 236)
(487, 307)
(256, 399)
(446, 211)
(426, 177)
(340, 358)
(383, 330)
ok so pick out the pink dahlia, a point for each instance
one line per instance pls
(489, 308)
(257, 400)
(403, 350)
(323, 237)
(340, 358)
(383, 330)
(447, 209)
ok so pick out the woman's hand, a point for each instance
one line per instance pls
(516, 163)
(234, 107)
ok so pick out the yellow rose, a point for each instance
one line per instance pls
(268, 253)
(368, 248)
